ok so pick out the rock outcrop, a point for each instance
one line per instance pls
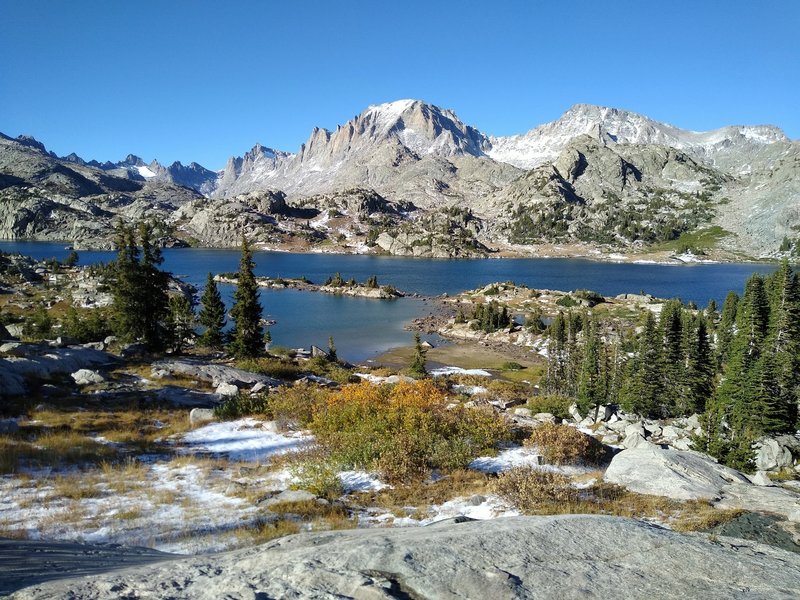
(694, 476)
(525, 557)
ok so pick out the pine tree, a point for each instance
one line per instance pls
(139, 288)
(417, 367)
(212, 315)
(555, 378)
(675, 333)
(783, 343)
(247, 336)
(699, 366)
(592, 387)
(181, 321)
(332, 350)
(642, 391)
(727, 327)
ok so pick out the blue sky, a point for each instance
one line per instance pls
(202, 80)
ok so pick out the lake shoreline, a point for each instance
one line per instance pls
(595, 253)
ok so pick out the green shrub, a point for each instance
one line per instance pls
(567, 301)
(293, 407)
(511, 366)
(243, 405)
(87, 325)
(590, 296)
(277, 367)
(318, 476)
(558, 406)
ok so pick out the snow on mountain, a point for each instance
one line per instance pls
(544, 143)
(145, 172)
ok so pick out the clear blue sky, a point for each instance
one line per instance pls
(203, 80)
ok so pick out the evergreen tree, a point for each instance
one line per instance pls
(555, 378)
(247, 336)
(783, 343)
(181, 321)
(699, 367)
(267, 339)
(642, 391)
(139, 288)
(332, 350)
(212, 315)
(417, 367)
(72, 259)
(592, 387)
(675, 331)
(727, 327)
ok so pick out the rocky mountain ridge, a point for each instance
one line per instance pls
(596, 175)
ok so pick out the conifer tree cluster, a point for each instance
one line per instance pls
(759, 352)
(139, 288)
(747, 384)
(491, 317)
(670, 372)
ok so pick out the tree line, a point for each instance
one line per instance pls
(739, 368)
(143, 310)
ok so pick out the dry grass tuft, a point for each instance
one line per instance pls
(264, 531)
(76, 487)
(421, 494)
(562, 444)
(539, 493)
(310, 509)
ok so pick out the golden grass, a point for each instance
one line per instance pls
(52, 449)
(264, 531)
(125, 476)
(75, 487)
(555, 496)
(9, 531)
(9, 456)
(309, 509)
(421, 494)
(134, 512)
(163, 496)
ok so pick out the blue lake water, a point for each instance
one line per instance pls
(363, 328)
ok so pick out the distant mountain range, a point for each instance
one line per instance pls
(596, 175)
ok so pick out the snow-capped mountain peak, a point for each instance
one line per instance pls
(613, 125)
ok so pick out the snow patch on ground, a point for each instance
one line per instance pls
(442, 371)
(689, 257)
(360, 481)
(475, 507)
(378, 379)
(519, 456)
(242, 440)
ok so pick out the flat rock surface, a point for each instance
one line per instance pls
(570, 556)
(43, 362)
(211, 372)
(27, 562)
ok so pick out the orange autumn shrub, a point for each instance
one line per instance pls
(403, 430)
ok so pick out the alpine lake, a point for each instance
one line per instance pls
(365, 328)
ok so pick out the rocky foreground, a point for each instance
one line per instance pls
(573, 556)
